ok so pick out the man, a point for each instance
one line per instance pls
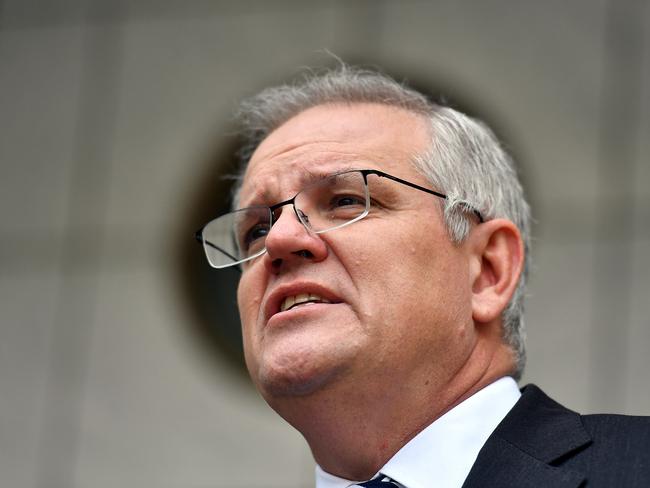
(383, 244)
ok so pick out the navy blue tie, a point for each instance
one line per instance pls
(379, 482)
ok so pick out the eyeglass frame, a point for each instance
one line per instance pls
(198, 235)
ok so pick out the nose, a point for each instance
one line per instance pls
(289, 242)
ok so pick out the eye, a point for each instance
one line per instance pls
(254, 234)
(347, 201)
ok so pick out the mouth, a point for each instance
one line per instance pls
(298, 295)
(301, 300)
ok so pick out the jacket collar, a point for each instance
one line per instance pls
(526, 446)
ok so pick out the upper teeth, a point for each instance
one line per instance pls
(301, 298)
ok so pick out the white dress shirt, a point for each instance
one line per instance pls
(446, 450)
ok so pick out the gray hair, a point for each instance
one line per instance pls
(465, 160)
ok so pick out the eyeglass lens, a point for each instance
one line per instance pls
(328, 204)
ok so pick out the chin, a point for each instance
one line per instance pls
(297, 375)
(302, 358)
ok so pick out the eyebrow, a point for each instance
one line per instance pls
(306, 177)
(310, 176)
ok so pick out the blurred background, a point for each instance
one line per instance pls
(119, 347)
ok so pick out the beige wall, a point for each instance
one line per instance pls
(107, 111)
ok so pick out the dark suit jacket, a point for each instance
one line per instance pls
(542, 444)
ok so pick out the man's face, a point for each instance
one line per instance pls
(399, 306)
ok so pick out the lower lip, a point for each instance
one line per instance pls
(299, 312)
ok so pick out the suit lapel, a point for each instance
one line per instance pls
(502, 465)
(526, 448)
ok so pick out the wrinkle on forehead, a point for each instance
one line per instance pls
(283, 149)
(266, 186)
(330, 138)
(362, 123)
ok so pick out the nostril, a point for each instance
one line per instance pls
(276, 263)
(304, 254)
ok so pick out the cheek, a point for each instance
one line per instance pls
(248, 301)
(420, 279)
(249, 298)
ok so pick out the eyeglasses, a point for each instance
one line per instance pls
(328, 204)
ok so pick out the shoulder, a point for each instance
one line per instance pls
(541, 443)
(617, 425)
(603, 429)
(615, 450)
(618, 440)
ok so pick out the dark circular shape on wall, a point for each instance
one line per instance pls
(211, 294)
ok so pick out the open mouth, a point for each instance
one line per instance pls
(301, 299)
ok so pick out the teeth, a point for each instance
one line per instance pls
(301, 298)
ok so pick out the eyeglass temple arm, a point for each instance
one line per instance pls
(421, 188)
(199, 238)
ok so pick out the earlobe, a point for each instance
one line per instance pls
(497, 261)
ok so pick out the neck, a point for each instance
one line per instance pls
(353, 433)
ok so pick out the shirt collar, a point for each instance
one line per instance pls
(445, 450)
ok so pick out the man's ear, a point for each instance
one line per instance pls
(497, 257)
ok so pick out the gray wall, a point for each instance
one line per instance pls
(108, 111)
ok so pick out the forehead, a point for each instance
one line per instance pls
(330, 138)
